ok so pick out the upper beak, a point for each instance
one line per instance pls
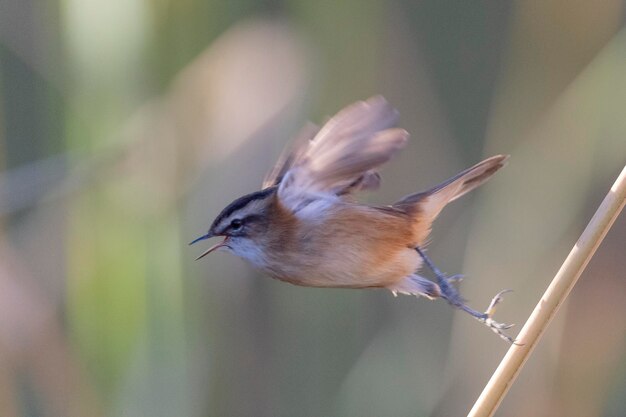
(212, 248)
(203, 237)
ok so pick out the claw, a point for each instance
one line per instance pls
(501, 326)
(498, 328)
(494, 302)
(486, 318)
(454, 298)
(495, 326)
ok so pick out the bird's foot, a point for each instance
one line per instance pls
(451, 294)
(487, 318)
(453, 297)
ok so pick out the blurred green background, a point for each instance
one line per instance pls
(126, 125)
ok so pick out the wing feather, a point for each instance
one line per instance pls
(343, 155)
(290, 155)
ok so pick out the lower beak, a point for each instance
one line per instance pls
(214, 247)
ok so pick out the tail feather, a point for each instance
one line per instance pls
(426, 206)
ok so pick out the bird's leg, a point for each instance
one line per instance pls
(453, 297)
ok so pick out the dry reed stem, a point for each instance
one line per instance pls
(559, 288)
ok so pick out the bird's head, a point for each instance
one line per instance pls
(243, 224)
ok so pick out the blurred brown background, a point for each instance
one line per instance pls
(126, 125)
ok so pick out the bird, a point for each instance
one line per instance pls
(306, 227)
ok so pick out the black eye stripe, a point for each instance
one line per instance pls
(246, 220)
(251, 218)
(237, 224)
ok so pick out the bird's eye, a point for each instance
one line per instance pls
(236, 224)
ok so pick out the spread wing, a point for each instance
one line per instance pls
(341, 157)
(290, 155)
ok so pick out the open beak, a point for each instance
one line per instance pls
(212, 248)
